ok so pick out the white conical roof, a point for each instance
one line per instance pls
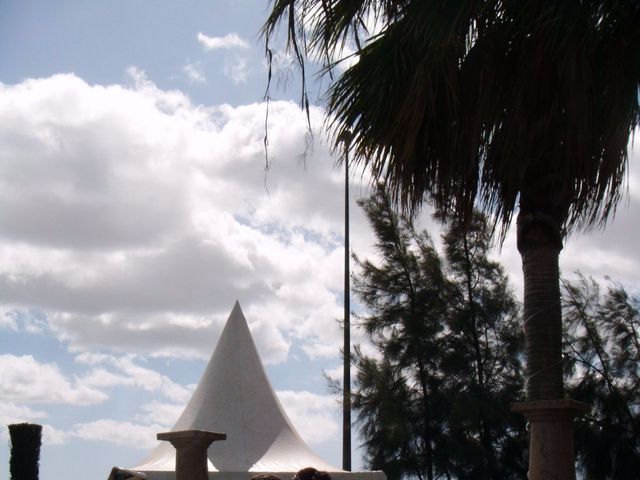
(235, 397)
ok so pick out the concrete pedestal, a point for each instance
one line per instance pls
(191, 451)
(551, 452)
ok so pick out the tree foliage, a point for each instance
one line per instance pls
(484, 353)
(603, 352)
(433, 402)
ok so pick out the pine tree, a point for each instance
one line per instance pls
(483, 356)
(602, 348)
(434, 401)
(408, 297)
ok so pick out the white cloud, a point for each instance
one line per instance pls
(313, 415)
(24, 321)
(92, 358)
(117, 432)
(231, 40)
(131, 375)
(26, 380)
(194, 73)
(53, 436)
(336, 374)
(151, 380)
(159, 413)
(157, 417)
(77, 179)
(272, 346)
(8, 320)
(104, 378)
(158, 215)
(237, 70)
(12, 413)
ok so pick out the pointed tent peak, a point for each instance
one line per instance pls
(236, 311)
(237, 322)
(235, 396)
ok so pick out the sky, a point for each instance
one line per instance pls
(135, 209)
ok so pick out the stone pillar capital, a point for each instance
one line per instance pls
(551, 452)
(191, 437)
(191, 451)
(550, 410)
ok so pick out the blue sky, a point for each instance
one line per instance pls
(135, 209)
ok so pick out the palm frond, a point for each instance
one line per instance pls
(491, 104)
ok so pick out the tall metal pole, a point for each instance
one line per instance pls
(346, 400)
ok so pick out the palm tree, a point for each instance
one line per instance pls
(510, 106)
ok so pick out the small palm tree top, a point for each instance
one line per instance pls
(487, 103)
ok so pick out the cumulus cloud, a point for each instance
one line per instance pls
(79, 179)
(161, 413)
(135, 435)
(132, 219)
(53, 436)
(155, 417)
(231, 40)
(129, 373)
(26, 380)
(142, 217)
(12, 413)
(313, 415)
(117, 432)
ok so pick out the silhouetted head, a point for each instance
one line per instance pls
(265, 476)
(311, 473)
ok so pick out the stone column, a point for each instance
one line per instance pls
(191, 451)
(551, 452)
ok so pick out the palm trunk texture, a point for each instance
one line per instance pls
(540, 248)
(550, 415)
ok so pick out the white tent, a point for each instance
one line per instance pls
(235, 397)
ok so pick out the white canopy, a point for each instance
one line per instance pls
(235, 397)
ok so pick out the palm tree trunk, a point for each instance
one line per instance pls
(539, 243)
(550, 415)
